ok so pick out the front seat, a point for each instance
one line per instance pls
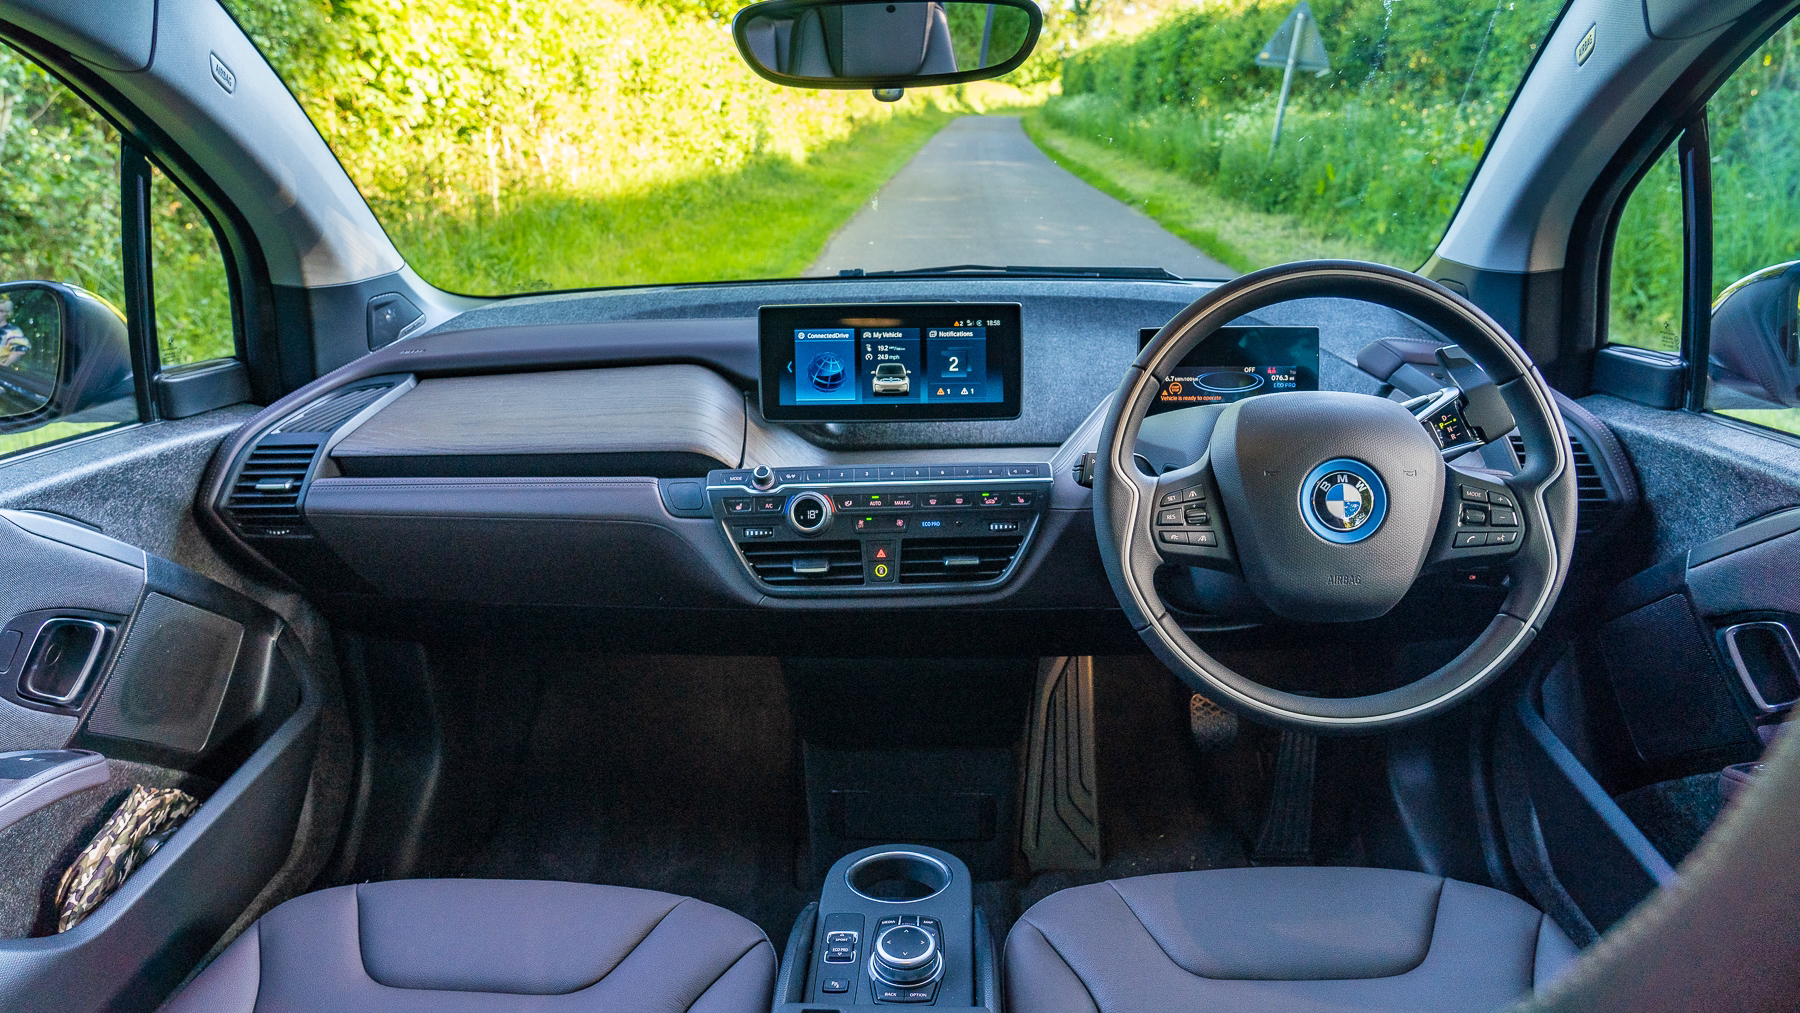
(1280, 939)
(479, 945)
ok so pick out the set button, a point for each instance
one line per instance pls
(1189, 495)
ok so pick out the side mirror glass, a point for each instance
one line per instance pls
(64, 356)
(885, 46)
(1755, 347)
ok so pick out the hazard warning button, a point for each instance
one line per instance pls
(881, 560)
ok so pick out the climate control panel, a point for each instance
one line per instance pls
(880, 528)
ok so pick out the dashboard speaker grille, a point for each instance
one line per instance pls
(957, 560)
(812, 564)
(334, 411)
(265, 499)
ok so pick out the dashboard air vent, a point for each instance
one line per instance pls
(1593, 505)
(811, 564)
(265, 499)
(334, 411)
(956, 560)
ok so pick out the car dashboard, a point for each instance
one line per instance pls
(608, 459)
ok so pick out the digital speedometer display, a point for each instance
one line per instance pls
(1239, 362)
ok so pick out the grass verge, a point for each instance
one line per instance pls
(1236, 236)
(769, 219)
(13, 442)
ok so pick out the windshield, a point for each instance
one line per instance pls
(516, 145)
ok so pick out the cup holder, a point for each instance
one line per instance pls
(898, 877)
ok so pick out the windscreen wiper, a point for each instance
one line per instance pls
(1156, 273)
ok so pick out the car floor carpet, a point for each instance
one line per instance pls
(674, 774)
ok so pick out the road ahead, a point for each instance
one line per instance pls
(981, 193)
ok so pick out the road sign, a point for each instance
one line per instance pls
(1309, 55)
(1296, 45)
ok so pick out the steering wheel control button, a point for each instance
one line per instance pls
(1343, 501)
(1503, 518)
(1475, 495)
(1470, 539)
(1173, 537)
(1170, 518)
(1206, 538)
(808, 513)
(1474, 515)
(1503, 538)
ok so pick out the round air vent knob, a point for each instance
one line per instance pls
(906, 955)
(763, 477)
(809, 513)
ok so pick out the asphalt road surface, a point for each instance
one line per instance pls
(981, 193)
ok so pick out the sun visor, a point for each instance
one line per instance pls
(116, 35)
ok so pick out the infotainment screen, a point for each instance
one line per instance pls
(890, 362)
(1240, 362)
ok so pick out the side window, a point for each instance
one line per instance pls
(61, 263)
(1647, 263)
(1754, 121)
(193, 294)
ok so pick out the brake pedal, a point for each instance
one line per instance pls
(1286, 837)
(1214, 728)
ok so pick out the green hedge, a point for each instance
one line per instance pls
(1379, 149)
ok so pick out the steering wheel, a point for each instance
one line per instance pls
(1332, 504)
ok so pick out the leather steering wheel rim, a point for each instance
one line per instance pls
(1544, 489)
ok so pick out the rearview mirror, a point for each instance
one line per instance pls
(1755, 348)
(885, 46)
(63, 353)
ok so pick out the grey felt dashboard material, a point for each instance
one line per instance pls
(1701, 475)
(1079, 336)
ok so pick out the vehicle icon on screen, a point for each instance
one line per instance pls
(892, 378)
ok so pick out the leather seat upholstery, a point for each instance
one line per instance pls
(474, 946)
(1280, 939)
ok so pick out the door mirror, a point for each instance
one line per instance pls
(885, 46)
(63, 354)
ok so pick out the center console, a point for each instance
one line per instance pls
(880, 529)
(895, 925)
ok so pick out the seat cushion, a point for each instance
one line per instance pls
(478, 945)
(1279, 939)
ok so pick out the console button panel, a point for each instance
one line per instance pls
(881, 529)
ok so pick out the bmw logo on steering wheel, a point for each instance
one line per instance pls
(1343, 501)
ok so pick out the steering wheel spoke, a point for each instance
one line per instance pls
(1187, 520)
(1480, 523)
